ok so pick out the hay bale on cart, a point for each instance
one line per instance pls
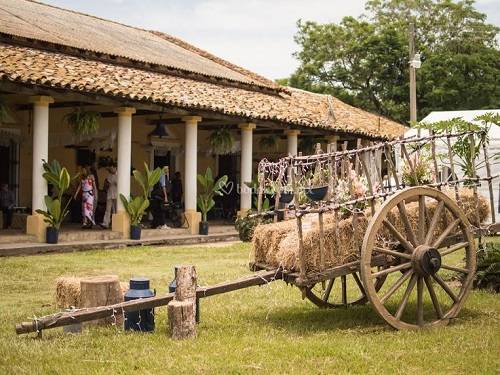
(276, 244)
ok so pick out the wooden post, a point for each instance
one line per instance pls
(488, 175)
(102, 291)
(452, 166)
(182, 310)
(474, 182)
(261, 178)
(434, 159)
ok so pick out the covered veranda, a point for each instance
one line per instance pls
(159, 99)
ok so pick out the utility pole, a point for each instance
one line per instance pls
(413, 83)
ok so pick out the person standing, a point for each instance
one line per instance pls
(159, 198)
(88, 188)
(7, 203)
(176, 191)
(111, 187)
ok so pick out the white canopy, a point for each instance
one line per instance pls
(494, 145)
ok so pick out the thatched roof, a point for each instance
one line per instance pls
(200, 81)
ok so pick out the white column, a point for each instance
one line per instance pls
(246, 166)
(35, 224)
(40, 148)
(190, 161)
(292, 141)
(190, 171)
(124, 152)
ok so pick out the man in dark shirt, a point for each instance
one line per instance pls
(7, 203)
(176, 193)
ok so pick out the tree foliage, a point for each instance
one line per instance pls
(365, 61)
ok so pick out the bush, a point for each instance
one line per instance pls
(488, 268)
(246, 225)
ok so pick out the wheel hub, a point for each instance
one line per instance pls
(426, 260)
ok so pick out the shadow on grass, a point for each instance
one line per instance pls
(362, 319)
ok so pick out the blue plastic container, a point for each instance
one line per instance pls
(143, 320)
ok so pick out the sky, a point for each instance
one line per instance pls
(255, 34)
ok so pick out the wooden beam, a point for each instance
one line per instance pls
(85, 315)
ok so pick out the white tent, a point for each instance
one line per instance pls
(494, 145)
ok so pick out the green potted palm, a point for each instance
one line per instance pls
(209, 189)
(55, 212)
(136, 207)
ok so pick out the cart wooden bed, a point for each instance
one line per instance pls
(411, 264)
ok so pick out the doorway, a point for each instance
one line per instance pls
(229, 203)
(9, 166)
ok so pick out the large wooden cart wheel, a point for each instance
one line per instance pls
(431, 258)
(342, 291)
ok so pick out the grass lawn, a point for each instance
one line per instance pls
(266, 329)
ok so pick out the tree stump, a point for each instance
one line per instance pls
(182, 309)
(102, 291)
(181, 319)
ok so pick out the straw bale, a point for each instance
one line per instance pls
(68, 291)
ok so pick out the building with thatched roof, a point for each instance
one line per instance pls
(159, 101)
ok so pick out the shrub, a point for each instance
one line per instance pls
(488, 268)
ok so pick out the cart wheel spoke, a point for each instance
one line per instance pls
(453, 268)
(407, 245)
(434, 222)
(406, 296)
(420, 301)
(453, 248)
(358, 282)
(383, 250)
(389, 270)
(421, 219)
(445, 286)
(328, 290)
(446, 233)
(344, 289)
(396, 286)
(434, 298)
(407, 224)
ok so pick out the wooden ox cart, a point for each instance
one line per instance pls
(415, 269)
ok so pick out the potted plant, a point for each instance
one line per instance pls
(318, 184)
(286, 194)
(83, 122)
(55, 212)
(136, 207)
(221, 141)
(209, 188)
(419, 172)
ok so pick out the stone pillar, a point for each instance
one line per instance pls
(292, 141)
(246, 167)
(193, 217)
(35, 224)
(121, 222)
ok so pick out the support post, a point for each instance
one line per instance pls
(246, 167)
(193, 217)
(292, 141)
(35, 224)
(182, 310)
(121, 222)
